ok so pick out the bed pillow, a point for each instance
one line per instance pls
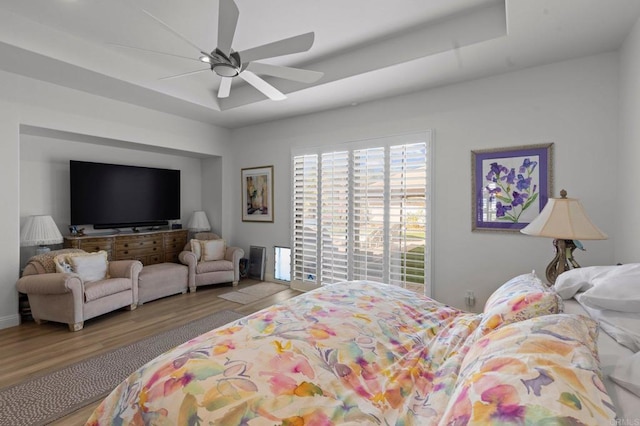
(89, 266)
(576, 280)
(540, 371)
(627, 373)
(571, 282)
(520, 298)
(617, 293)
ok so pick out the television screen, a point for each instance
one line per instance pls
(116, 196)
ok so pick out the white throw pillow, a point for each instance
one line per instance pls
(213, 249)
(627, 373)
(89, 266)
(615, 292)
(196, 248)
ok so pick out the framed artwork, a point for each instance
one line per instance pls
(257, 194)
(510, 186)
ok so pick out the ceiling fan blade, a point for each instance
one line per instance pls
(296, 44)
(157, 52)
(176, 33)
(225, 87)
(227, 20)
(267, 89)
(185, 74)
(288, 73)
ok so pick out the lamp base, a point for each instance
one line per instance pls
(563, 261)
(42, 250)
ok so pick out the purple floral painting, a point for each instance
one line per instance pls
(510, 186)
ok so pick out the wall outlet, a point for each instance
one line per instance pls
(470, 298)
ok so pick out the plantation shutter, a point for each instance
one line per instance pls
(305, 218)
(334, 218)
(369, 214)
(407, 213)
(362, 212)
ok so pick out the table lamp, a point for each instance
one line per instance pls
(40, 231)
(199, 222)
(564, 220)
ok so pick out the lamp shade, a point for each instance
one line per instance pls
(199, 222)
(40, 231)
(565, 219)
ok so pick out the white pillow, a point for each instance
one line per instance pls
(213, 249)
(615, 292)
(627, 373)
(582, 279)
(90, 266)
(571, 282)
(196, 248)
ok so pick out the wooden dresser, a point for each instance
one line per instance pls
(148, 247)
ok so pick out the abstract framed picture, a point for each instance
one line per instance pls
(510, 186)
(257, 194)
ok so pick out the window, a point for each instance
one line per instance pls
(282, 263)
(361, 212)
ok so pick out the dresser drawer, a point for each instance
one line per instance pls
(127, 253)
(175, 240)
(139, 243)
(95, 244)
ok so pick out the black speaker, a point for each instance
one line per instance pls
(257, 257)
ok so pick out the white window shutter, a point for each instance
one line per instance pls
(363, 213)
(369, 237)
(334, 217)
(305, 219)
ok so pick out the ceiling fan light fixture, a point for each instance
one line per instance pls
(225, 70)
(205, 59)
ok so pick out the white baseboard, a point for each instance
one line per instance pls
(9, 321)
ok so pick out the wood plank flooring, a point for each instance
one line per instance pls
(31, 349)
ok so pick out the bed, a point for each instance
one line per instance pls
(610, 295)
(368, 353)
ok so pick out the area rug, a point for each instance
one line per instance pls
(40, 400)
(254, 293)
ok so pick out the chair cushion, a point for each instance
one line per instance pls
(214, 266)
(98, 289)
(213, 249)
(90, 266)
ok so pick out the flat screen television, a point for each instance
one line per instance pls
(118, 196)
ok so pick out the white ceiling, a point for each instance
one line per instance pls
(367, 49)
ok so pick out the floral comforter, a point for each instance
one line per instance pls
(350, 353)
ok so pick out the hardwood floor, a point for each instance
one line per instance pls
(31, 349)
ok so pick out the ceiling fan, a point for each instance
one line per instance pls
(229, 64)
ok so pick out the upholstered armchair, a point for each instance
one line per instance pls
(72, 298)
(211, 261)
